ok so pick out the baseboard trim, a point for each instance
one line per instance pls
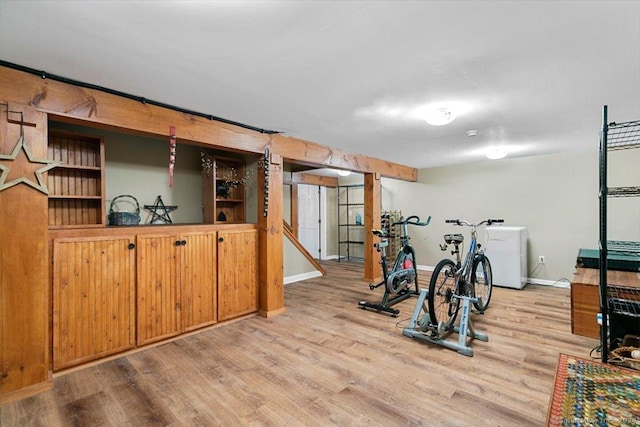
(303, 276)
(542, 282)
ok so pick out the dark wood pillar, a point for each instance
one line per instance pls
(372, 211)
(270, 217)
(24, 290)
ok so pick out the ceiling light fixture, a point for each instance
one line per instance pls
(495, 153)
(343, 173)
(439, 116)
(473, 132)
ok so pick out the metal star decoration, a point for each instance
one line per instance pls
(4, 170)
(159, 206)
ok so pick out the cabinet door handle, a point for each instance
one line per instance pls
(132, 246)
(220, 239)
(183, 242)
(177, 243)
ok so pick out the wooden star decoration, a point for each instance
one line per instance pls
(24, 168)
(159, 206)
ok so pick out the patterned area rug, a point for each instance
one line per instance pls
(590, 393)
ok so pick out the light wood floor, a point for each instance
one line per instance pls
(326, 362)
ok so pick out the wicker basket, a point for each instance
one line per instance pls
(621, 356)
(124, 218)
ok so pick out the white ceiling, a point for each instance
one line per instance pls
(533, 75)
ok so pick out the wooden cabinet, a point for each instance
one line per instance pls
(585, 297)
(158, 315)
(76, 186)
(223, 190)
(199, 280)
(176, 284)
(115, 290)
(93, 298)
(237, 273)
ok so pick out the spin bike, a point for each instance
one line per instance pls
(454, 286)
(404, 273)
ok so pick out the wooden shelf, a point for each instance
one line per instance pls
(79, 167)
(76, 186)
(218, 209)
(229, 200)
(69, 196)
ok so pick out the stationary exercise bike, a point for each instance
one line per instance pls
(402, 281)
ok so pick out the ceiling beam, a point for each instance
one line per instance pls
(310, 179)
(102, 109)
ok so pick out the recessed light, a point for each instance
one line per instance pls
(473, 132)
(439, 116)
(495, 153)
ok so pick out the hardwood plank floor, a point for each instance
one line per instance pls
(327, 362)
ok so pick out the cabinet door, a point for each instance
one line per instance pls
(158, 287)
(198, 279)
(93, 299)
(237, 273)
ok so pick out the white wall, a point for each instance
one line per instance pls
(554, 196)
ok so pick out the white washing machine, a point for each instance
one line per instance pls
(506, 248)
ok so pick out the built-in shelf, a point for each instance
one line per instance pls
(223, 190)
(76, 184)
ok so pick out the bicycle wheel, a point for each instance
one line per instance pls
(481, 281)
(442, 307)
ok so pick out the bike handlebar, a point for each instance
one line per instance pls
(416, 222)
(463, 222)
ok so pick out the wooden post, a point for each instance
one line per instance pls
(24, 290)
(372, 211)
(270, 217)
(294, 209)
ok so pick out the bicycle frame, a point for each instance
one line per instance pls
(399, 279)
(464, 270)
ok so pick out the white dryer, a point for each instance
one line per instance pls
(506, 248)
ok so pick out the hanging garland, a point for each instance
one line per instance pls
(172, 153)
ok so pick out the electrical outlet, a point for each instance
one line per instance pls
(541, 259)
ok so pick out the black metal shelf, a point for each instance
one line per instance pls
(623, 136)
(623, 247)
(348, 230)
(620, 302)
(623, 191)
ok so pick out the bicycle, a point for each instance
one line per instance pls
(404, 272)
(451, 281)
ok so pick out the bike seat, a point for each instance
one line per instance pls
(379, 233)
(455, 239)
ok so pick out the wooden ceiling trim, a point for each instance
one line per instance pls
(105, 109)
(310, 179)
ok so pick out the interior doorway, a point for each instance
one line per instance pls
(312, 218)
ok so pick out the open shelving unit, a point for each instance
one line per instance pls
(619, 305)
(224, 191)
(76, 185)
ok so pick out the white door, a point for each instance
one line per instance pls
(309, 218)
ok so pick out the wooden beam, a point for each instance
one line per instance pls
(372, 211)
(270, 226)
(310, 179)
(102, 109)
(311, 153)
